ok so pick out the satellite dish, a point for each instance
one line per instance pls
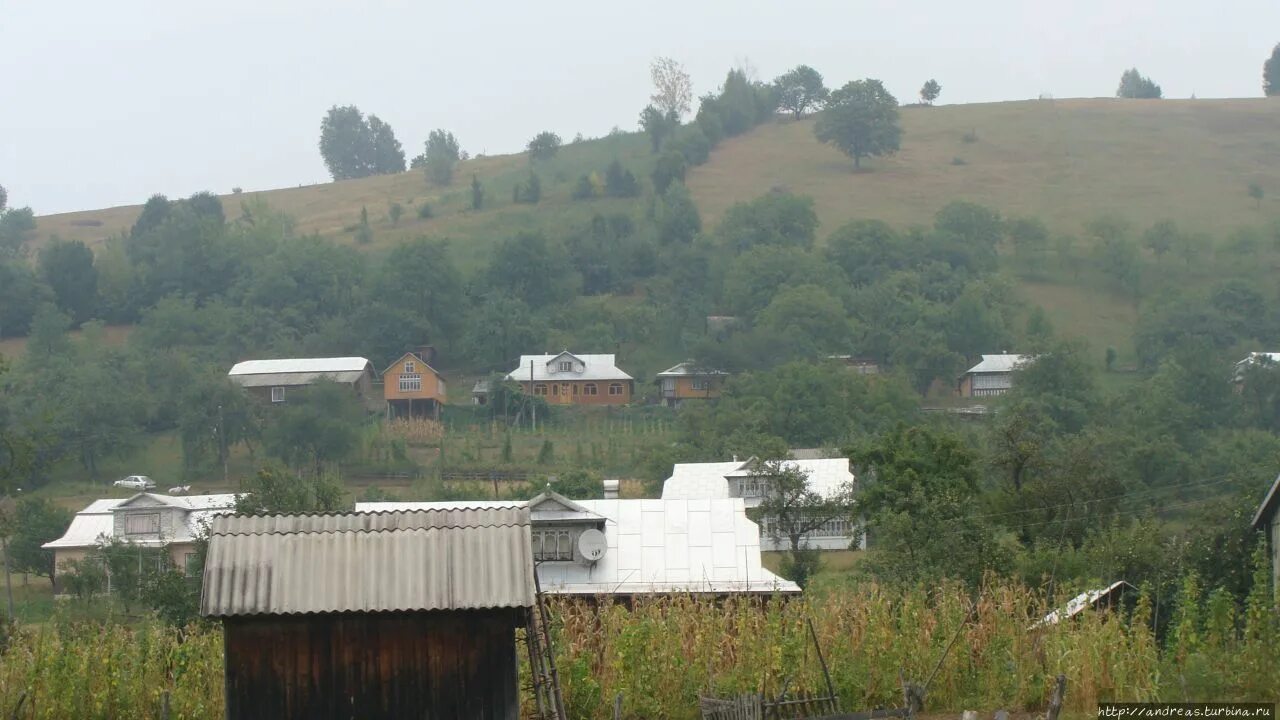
(591, 545)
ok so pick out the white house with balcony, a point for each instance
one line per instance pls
(993, 376)
(828, 477)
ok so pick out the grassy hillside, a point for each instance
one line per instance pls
(1064, 161)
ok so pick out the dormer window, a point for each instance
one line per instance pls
(410, 366)
(566, 366)
(142, 524)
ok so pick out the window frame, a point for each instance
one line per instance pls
(152, 520)
(407, 381)
(540, 389)
(566, 366)
(701, 384)
(410, 367)
(561, 548)
(590, 389)
(277, 394)
(615, 389)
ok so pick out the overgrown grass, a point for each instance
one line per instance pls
(661, 654)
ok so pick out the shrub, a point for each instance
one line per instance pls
(619, 182)
(959, 161)
(694, 145)
(424, 211)
(969, 137)
(669, 168)
(236, 190)
(583, 190)
(394, 211)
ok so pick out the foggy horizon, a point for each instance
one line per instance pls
(115, 103)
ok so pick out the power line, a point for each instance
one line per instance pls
(1123, 496)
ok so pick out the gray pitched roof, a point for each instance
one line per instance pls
(454, 559)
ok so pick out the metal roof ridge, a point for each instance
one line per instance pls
(223, 532)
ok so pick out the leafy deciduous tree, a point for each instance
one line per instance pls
(930, 92)
(67, 266)
(1271, 73)
(800, 90)
(441, 154)
(544, 146)
(1134, 85)
(861, 119)
(672, 88)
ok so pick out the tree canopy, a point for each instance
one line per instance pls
(861, 119)
(800, 90)
(441, 155)
(672, 88)
(353, 147)
(930, 92)
(1270, 76)
(1134, 84)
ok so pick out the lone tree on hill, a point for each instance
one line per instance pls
(1135, 86)
(4, 198)
(1271, 73)
(800, 89)
(658, 125)
(930, 92)
(441, 155)
(544, 146)
(672, 88)
(1255, 192)
(862, 120)
(353, 147)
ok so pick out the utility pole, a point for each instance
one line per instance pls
(8, 581)
(222, 444)
(533, 407)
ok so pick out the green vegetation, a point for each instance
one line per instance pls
(1270, 76)
(353, 147)
(1134, 85)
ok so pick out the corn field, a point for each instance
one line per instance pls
(661, 654)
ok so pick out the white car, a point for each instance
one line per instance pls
(136, 482)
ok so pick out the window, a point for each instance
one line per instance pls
(555, 389)
(589, 389)
(410, 383)
(566, 366)
(410, 367)
(540, 389)
(575, 389)
(701, 383)
(189, 563)
(615, 388)
(552, 545)
(277, 394)
(142, 524)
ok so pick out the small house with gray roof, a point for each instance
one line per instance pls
(275, 381)
(571, 379)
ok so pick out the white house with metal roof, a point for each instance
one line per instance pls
(571, 379)
(828, 477)
(1270, 359)
(275, 380)
(146, 519)
(636, 547)
(993, 376)
(1267, 519)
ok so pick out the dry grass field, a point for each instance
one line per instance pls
(1064, 161)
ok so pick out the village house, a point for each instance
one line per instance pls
(372, 615)
(738, 479)
(1270, 359)
(1267, 519)
(569, 379)
(993, 376)
(149, 520)
(275, 381)
(412, 388)
(688, 381)
(626, 548)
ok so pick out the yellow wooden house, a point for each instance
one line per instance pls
(412, 388)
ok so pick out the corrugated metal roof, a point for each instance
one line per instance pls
(1268, 506)
(1077, 604)
(456, 559)
(999, 363)
(593, 367)
(296, 378)
(300, 365)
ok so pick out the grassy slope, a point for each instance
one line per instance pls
(1065, 161)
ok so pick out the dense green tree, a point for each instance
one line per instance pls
(317, 429)
(658, 126)
(214, 416)
(620, 182)
(791, 509)
(669, 168)
(1062, 383)
(919, 493)
(678, 219)
(477, 194)
(543, 146)
(861, 119)
(533, 269)
(930, 91)
(21, 294)
(498, 328)
(420, 277)
(753, 278)
(36, 522)
(532, 190)
(1115, 251)
(1255, 192)
(1160, 238)
(809, 318)
(1030, 239)
(779, 218)
(346, 144)
(4, 198)
(1271, 73)
(441, 155)
(800, 90)
(387, 154)
(866, 250)
(67, 266)
(276, 491)
(1134, 85)
(693, 144)
(967, 235)
(16, 227)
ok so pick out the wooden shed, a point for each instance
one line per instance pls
(371, 615)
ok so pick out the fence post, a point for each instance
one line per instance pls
(1055, 700)
(164, 706)
(617, 707)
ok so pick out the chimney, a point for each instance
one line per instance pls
(610, 489)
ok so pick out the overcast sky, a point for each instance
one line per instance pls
(106, 103)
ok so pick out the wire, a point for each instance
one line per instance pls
(1122, 496)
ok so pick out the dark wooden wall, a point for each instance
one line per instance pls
(379, 665)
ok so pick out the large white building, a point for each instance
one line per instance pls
(737, 479)
(636, 547)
